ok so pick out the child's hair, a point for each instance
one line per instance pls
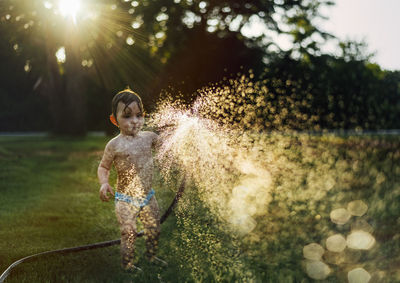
(126, 96)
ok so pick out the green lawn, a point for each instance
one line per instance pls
(49, 200)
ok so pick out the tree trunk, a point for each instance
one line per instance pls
(64, 88)
(74, 92)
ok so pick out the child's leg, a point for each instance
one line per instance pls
(126, 215)
(150, 217)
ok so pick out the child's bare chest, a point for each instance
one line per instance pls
(133, 152)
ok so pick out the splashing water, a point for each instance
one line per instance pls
(269, 194)
(231, 180)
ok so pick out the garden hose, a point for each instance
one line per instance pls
(95, 245)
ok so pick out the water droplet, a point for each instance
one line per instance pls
(313, 251)
(358, 275)
(130, 40)
(336, 243)
(360, 240)
(340, 216)
(357, 208)
(317, 270)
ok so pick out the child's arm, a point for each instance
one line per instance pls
(103, 172)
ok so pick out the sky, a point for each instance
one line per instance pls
(375, 21)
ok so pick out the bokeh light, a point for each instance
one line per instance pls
(359, 275)
(271, 192)
(60, 54)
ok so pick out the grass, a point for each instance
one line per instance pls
(49, 200)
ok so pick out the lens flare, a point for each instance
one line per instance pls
(69, 8)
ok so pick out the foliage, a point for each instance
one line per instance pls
(21, 109)
(185, 45)
(326, 93)
(148, 45)
(341, 93)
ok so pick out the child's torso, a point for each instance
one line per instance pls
(134, 163)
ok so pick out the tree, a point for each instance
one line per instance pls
(202, 41)
(146, 44)
(37, 35)
(344, 92)
(21, 109)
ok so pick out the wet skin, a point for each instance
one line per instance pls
(131, 154)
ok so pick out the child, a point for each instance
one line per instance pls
(131, 154)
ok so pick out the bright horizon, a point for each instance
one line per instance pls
(373, 21)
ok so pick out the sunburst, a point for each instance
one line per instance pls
(69, 8)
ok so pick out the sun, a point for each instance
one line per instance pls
(69, 8)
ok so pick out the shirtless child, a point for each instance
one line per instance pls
(131, 154)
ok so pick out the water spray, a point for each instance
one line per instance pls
(4, 275)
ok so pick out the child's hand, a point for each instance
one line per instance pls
(104, 189)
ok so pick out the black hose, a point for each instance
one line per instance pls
(95, 245)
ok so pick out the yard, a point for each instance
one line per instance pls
(49, 200)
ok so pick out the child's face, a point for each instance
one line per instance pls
(130, 119)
